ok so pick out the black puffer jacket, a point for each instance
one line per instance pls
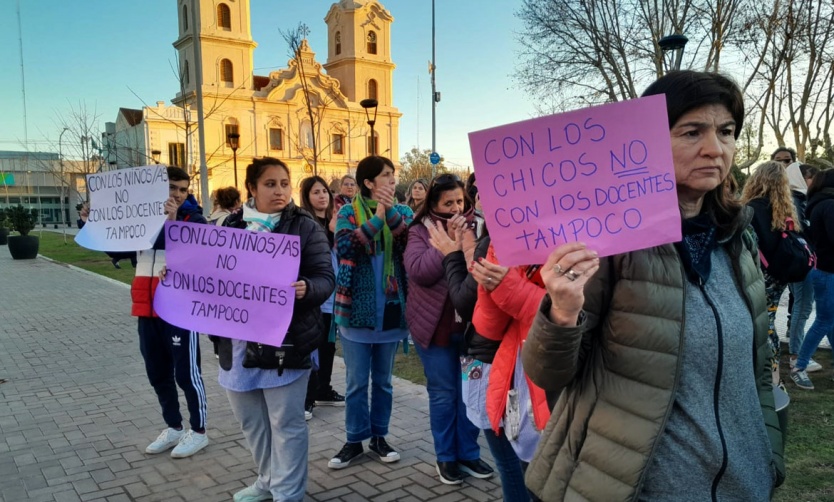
(316, 270)
(463, 292)
(821, 215)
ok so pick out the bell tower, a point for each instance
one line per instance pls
(226, 45)
(359, 50)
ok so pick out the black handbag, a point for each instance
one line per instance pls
(269, 357)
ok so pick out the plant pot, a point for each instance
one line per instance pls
(24, 247)
(4, 235)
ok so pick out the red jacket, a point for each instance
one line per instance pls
(506, 314)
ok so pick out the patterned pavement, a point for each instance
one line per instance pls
(76, 411)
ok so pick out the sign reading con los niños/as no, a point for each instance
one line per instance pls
(127, 209)
(228, 282)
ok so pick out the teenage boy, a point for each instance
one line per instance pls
(171, 354)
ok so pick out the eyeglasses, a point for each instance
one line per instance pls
(445, 179)
(785, 161)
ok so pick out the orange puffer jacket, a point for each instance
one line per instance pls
(505, 314)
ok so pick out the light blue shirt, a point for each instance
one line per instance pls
(240, 379)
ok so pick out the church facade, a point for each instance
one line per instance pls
(307, 114)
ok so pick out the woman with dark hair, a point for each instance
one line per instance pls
(768, 193)
(269, 403)
(437, 330)
(317, 200)
(371, 235)
(415, 196)
(820, 213)
(660, 356)
(226, 201)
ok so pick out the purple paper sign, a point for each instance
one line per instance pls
(601, 175)
(228, 282)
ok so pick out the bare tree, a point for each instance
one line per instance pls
(589, 52)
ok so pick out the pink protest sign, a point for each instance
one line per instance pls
(228, 282)
(601, 175)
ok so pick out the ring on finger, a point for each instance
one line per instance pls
(558, 269)
(489, 279)
(572, 275)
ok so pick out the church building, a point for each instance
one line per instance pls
(270, 114)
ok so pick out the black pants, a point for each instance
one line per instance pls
(319, 384)
(172, 357)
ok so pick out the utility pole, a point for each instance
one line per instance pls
(433, 92)
(62, 181)
(201, 134)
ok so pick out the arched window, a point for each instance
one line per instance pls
(184, 18)
(230, 127)
(185, 73)
(224, 17)
(306, 135)
(372, 94)
(338, 42)
(226, 73)
(371, 42)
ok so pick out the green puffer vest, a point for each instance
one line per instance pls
(618, 372)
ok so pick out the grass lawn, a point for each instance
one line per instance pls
(52, 246)
(809, 450)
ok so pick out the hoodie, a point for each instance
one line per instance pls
(821, 229)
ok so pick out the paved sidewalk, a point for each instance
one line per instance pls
(77, 411)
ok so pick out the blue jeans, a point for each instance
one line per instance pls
(824, 323)
(510, 468)
(455, 437)
(364, 362)
(803, 303)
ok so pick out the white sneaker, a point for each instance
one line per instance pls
(190, 444)
(812, 365)
(167, 440)
(252, 494)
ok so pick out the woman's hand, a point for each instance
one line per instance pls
(442, 241)
(162, 273)
(565, 274)
(300, 289)
(488, 274)
(469, 243)
(455, 226)
(385, 200)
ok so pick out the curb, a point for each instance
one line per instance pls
(87, 272)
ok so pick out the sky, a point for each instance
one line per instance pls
(101, 52)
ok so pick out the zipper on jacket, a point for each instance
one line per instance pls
(674, 388)
(716, 393)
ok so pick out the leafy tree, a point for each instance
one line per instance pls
(416, 165)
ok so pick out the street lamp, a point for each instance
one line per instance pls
(234, 142)
(674, 43)
(367, 104)
(155, 156)
(63, 181)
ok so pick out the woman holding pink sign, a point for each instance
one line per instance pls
(267, 386)
(661, 355)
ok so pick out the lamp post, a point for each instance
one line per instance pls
(674, 43)
(63, 181)
(155, 156)
(368, 104)
(234, 142)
